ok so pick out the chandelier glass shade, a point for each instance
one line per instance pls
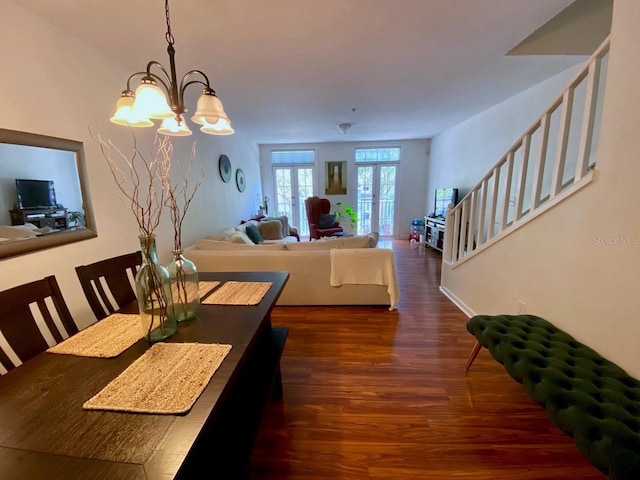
(160, 97)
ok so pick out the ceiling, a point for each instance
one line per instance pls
(288, 71)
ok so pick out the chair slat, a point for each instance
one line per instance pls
(19, 326)
(113, 273)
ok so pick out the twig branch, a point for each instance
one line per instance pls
(140, 180)
(179, 195)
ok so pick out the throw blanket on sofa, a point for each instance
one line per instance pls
(361, 266)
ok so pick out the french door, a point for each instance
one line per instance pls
(293, 185)
(376, 202)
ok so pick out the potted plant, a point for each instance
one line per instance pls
(345, 214)
(76, 219)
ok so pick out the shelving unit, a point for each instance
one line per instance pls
(434, 233)
(45, 217)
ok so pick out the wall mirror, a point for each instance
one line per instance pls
(44, 199)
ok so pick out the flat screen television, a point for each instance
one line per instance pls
(444, 196)
(35, 194)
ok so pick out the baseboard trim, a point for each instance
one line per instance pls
(457, 302)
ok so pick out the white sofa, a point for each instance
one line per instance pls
(10, 233)
(342, 271)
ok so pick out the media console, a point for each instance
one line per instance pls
(434, 233)
(41, 217)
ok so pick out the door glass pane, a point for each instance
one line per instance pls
(305, 189)
(293, 185)
(365, 199)
(283, 192)
(386, 199)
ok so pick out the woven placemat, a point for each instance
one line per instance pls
(238, 293)
(106, 338)
(206, 287)
(167, 379)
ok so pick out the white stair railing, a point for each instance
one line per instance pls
(553, 159)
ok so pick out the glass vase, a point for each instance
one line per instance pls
(154, 294)
(184, 287)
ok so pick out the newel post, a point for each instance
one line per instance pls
(448, 234)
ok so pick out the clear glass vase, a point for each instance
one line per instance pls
(154, 294)
(184, 287)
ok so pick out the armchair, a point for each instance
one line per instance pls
(316, 206)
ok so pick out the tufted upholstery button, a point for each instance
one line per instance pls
(590, 398)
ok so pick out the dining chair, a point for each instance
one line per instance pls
(107, 283)
(25, 335)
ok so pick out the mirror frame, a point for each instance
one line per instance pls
(59, 238)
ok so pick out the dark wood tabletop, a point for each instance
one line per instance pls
(45, 433)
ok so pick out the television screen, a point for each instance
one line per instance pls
(35, 193)
(444, 196)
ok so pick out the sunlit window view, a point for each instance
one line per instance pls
(376, 172)
(376, 196)
(293, 176)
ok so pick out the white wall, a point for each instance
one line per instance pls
(578, 264)
(55, 85)
(411, 191)
(461, 156)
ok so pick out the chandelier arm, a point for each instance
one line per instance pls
(184, 87)
(194, 72)
(131, 77)
(162, 69)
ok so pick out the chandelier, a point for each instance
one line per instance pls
(150, 101)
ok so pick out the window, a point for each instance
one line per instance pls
(376, 155)
(293, 173)
(293, 157)
(377, 170)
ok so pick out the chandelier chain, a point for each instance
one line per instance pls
(169, 35)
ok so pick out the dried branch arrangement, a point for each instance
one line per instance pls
(179, 194)
(141, 179)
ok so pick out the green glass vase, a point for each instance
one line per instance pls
(185, 293)
(153, 290)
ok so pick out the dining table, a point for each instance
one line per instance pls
(45, 433)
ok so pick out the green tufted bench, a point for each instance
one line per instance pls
(588, 397)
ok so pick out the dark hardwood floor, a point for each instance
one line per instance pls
(373, 394)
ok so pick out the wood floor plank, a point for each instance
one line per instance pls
(376, 395)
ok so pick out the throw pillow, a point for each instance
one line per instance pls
(284, 220)
(254, 234)
(271, 230)
(326, 220)
(285, 224)
(223, 234)
(243, 226)
(240, 237)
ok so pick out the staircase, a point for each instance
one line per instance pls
(552, 160)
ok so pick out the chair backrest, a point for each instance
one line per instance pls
(113, 275)
(23, 333)
(315, 206)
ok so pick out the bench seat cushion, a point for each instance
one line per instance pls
(590, 398)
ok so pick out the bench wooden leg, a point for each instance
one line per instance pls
(472, 356)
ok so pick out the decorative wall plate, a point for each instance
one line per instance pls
(240, 180)
(224, 164)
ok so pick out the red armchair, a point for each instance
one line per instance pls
(317, 206)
